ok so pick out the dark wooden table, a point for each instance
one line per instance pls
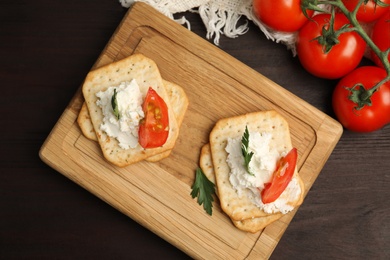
(47, 48)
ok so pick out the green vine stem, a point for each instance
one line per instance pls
(313, 5)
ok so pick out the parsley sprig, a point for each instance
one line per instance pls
(245, 150)
(204, 189)
(114, 104)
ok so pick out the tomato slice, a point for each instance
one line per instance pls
(281, 177)
(154, 127)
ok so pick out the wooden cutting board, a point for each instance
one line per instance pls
(157, 195)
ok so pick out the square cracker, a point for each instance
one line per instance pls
(146, 73)
(179, 102)
(85, 123)
(250, 225)
(242, 208)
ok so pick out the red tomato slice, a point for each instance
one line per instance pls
(281, 177)
(154, 127)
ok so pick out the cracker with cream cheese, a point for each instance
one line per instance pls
(177, 98)
(146, 74)
(250, 225)
(240, 208)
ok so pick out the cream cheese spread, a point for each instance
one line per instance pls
(262, 166)
(129, 99)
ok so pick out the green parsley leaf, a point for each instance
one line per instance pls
(203, 188)
(244, 149)
(114, 104)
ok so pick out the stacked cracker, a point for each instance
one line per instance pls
(244, 214)
(146, 73)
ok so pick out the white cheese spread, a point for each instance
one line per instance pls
(262, 166)
(129, 99)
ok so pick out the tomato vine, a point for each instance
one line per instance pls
(358, 94)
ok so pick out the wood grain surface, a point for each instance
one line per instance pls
(48, 47)
(194, 64)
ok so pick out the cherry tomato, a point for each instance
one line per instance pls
(281, 15)
(381, 37)
(281, 177)
(340, 60)
(369, 118)
(154, 127)
(367, 12)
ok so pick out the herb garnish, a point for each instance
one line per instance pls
(114, 104)
(203, 188)
(244, 149)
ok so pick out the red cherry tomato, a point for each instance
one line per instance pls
(281, 15)
(154, 127)
(381, 37)
(340, 60)
(369, 118)
(367, 12)
(281, 177)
